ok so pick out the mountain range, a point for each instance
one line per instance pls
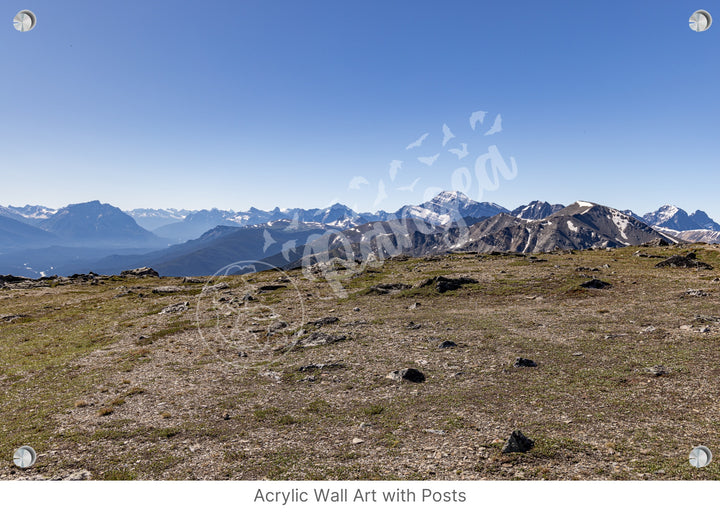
(36, 240)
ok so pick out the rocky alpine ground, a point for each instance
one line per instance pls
(273, 375)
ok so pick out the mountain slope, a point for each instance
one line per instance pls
(448, 207)
(536, 210)
(15, 234)
(97, 224)
(581, 225)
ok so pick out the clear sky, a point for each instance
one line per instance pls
(230, 104)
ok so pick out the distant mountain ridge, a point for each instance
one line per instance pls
(674, 218)
(38, 239)
(536, 210)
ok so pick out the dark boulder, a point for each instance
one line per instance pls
(686, 261)
(140, 272)
(521, 362)
(596, 284)
(407, 374)
(517, 442)
(443, 284)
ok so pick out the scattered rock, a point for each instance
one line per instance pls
(80, 475)
(321, 366)
(248, 298)
(226, 416)
(175, 308)
(641, 254)
(389, 288)
(8, 318)
(365, 425)
(140, 272)
(685, 327)
(318, 339)
(215, 287)
(166, 289)
(517, 442)
(357, 441)
(695, 293)
(270, 287)
(271, 375)
(192, 280)
(413, 326)
(439, 432)
(707, 319)
(596, 284)
(242, 354)
(325, 321)
(687, 261)
(577, 354)
(407, 374)
(277, 325)
(658, 370)
(648, 329)
(524, 363)
(583, 268)
(443, 284)
(704, 330)
(656, 242)
(447, 344)
(414, 306)
(12, 279)
(356, 309)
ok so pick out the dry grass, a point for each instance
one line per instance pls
(80, 386)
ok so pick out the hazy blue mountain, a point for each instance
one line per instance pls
(99, 225)
(153, 218)
(16, 234)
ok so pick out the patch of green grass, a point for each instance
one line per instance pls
(375, 409)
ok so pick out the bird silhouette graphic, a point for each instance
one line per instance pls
(418, 142)
(496, 127)
(447, 134)
(288, 247)
(382, 193)
(411, 187)
(428, 160)
(269, 241)
(460, 152)
(475, 117)
(395, 166)
(356, 182)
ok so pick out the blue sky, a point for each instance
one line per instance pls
(265, 103)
